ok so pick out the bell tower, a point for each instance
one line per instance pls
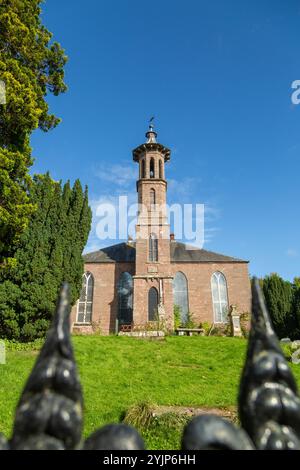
(152, 271)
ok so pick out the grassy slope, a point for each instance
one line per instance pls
(118, 372)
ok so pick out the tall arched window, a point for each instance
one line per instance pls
(152, 304)
(152, 199)
(160, 169)
(85, 302)
(152, 172)
(219, 297)
(125, 289)
(153, 248)
(143, 170)
(180, 294)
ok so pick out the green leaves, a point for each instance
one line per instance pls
(30, 66)
(49, 252)
(15, 205)
(279, 295)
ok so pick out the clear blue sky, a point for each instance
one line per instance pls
(217, 75)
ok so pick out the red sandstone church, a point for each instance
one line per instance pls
(128, 285)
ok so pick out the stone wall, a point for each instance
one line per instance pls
(105, 303)
(106, 275)
(199, 286)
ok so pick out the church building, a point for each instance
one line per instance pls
(131, 284)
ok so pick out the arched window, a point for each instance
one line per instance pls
(125, 289)
(219, 297)
(160, 169)
(153, 248)
(152, 199)
(152, 304)
(152, 173)
(85, 302)
(143, 170)
(180, 294)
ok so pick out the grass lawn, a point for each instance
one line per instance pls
(118, 372)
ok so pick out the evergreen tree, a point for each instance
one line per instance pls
(31, 66)
(297, 282)
(279, 297)
(296, 310)
(50, 252)
(296, 305)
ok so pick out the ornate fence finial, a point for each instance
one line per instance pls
(269, 407)
(115, 437)
(49, 413)
(210, 432)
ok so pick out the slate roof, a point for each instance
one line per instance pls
(122, 252)
(183, 253)
(180, 253)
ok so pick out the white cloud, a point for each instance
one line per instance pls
(184, 188)
(291, 253)
(94, 241)
(119, 175)
(210, 233)
(119, 180)
(188, 191)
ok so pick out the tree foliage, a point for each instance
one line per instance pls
(50, 252)
(31, 66)
(280, 300)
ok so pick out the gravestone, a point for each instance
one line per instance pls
(286, 340)
(2, 352)
(295, 357)
(235, 322)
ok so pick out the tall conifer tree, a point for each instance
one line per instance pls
(279, 296)
(50, 252)
(31, 66)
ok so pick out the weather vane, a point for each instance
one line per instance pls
(151, 123)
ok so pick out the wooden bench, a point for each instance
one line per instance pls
(189, 331)
(126, 328)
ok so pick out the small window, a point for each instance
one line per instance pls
(152, 304)
(143, 170)
(152, 174)
(153, 248)
(152, 199)
(160, 169)
(85, 302)
(219, 297)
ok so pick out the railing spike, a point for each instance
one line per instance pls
(269, 407)
(49, 413)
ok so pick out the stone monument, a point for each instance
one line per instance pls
(235, 321)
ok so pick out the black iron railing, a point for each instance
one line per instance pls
(49, 414)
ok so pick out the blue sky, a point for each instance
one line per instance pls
(217, 75)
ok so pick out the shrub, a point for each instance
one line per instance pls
(177, 316)
(96, 327)
(139, 415)
(245, 323)
(190, 323)
(221, 330)
(35, 345)
(206, 326)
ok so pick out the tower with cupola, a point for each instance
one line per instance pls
(153, 279)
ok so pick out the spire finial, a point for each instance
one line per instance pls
(151, 134)
(151, 123)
